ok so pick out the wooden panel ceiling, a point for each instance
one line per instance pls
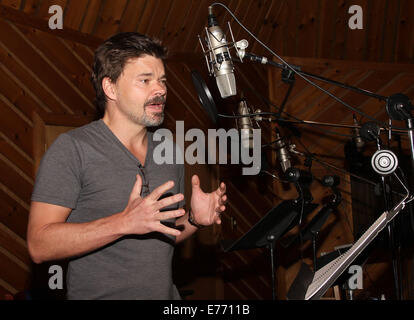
(311, 28)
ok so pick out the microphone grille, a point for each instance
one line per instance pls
(226, 84)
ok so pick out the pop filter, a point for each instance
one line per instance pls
(204, 96)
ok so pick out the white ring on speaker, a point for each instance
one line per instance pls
(384, 162)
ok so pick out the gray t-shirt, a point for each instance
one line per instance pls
(90, 171)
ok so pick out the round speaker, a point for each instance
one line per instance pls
(384, 162)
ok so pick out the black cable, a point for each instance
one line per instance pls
(271, 142)
(265, 113)
(326, 164)
(300, 221)
(299, 74)
(282, 106)
(409, 205)
(270, 103)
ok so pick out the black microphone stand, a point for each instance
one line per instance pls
(398, 107)
(395, 256)
(298, 70)
(271, 239)
(323, 215)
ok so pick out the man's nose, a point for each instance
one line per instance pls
(160, 88)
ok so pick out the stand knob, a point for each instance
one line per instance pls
(399, 107)
(369, 131)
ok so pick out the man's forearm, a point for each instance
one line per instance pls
(62, 240)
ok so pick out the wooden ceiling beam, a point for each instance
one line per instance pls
(91, 41)
(25, 19)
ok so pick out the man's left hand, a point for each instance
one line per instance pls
(207, 207)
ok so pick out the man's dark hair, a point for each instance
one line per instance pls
(111, 57)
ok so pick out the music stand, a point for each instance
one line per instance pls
(312, 229)
(270, 228)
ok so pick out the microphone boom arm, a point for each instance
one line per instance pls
(309, 122)
(264, 60)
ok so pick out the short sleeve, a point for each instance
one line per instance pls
(58, 179)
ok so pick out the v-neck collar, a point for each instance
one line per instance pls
(113, 137)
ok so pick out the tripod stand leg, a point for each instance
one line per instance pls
(271, 240)
(395, 261)
(392, 244)
(314, 234)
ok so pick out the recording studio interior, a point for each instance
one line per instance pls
(313, 98)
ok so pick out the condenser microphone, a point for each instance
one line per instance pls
(219, 60)
(246, 126)
(282, 152)
(359, 142)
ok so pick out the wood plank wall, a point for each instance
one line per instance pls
(43, 74)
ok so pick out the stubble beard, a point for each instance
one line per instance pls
(147, 120)
(153, 120)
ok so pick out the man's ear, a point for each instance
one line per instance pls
(109, 88)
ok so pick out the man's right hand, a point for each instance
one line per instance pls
(51, 237)
(143, 215)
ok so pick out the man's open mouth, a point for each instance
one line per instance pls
(155, 107)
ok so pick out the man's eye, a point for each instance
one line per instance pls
(144, 81)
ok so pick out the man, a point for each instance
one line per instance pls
(101, 200)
